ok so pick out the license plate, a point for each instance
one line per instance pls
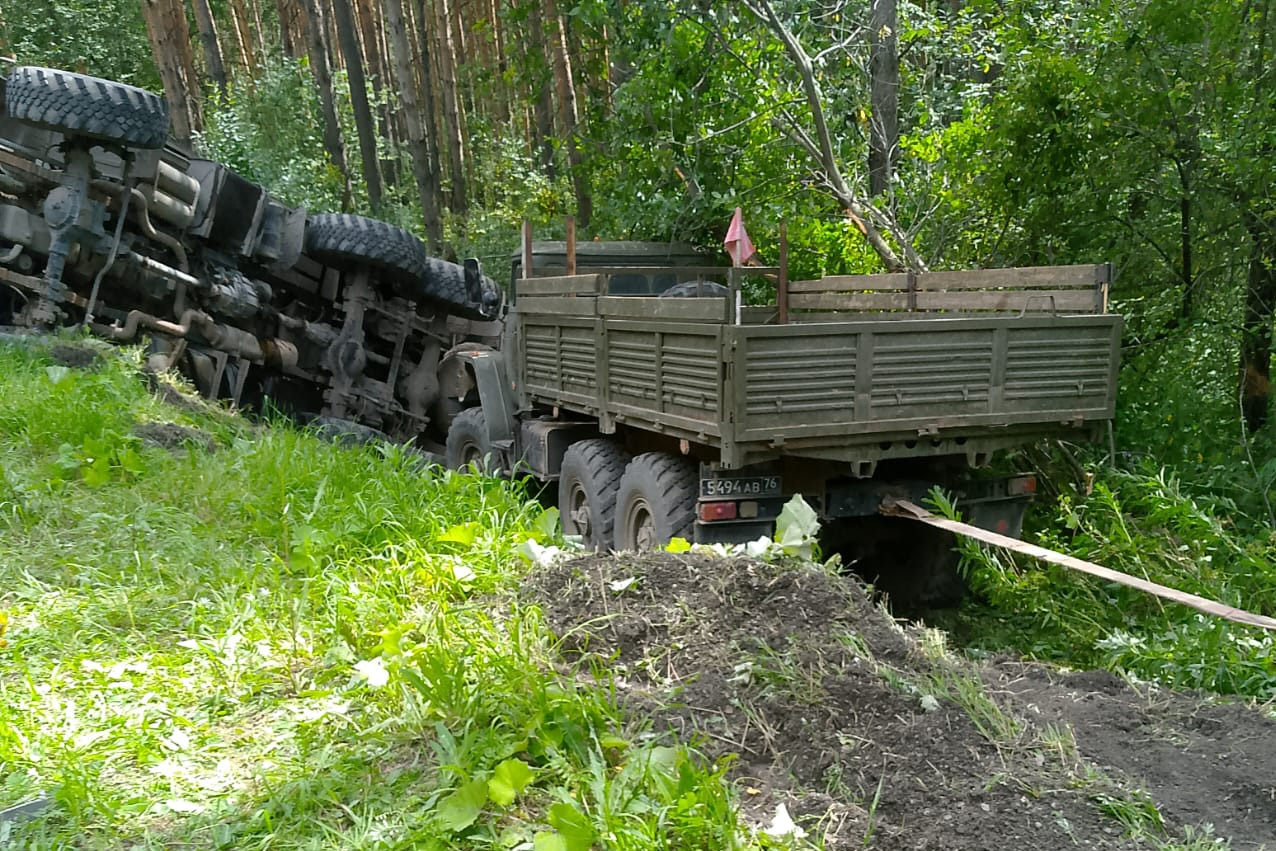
(749, 486)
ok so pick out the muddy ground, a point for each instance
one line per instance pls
(874, 736)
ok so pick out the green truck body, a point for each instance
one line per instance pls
(850, 391)
(699, 416)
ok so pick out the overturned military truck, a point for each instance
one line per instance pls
(105, 223)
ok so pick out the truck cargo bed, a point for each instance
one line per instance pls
(853, 388)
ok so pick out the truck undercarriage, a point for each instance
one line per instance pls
(106, 225)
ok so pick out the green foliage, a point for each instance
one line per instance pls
(1139, 522)
(105, 38)
(270, 131)
(507, 187)
(277, 642)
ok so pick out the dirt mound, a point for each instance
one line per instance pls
(76, 356)
(872, 735)
(173, 437)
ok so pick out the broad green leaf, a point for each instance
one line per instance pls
(464, 533)
(97, 472)
(510, 778)
(678, 545)
(797, 520)
(130, 461)
(547, 524)
(796, 527)
(663, 759)
(545, 840)
(573, 825)
(460, 809)
(512, 838)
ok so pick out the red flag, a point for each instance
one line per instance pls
(739, 247)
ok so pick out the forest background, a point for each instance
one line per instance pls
(886, 134)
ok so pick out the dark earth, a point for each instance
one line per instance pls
(173, 437)
(874, 737)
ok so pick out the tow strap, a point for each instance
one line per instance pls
(904, 508)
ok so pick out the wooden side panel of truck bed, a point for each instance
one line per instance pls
(837, 390)
(849, 390)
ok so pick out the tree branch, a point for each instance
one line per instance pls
(820, 146)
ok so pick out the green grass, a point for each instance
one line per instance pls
(281, 643)
(1140, 521)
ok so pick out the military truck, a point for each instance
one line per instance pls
(699, 417)
(107, 224)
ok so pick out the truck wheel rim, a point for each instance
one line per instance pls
(578, 511)
(641, 526)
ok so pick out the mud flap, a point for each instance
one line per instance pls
(495, 395)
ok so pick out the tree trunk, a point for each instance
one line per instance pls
(290, 32)
(186, 56)
(259, 32)
(570, 114)
(542, 105)
(318, 52)
(1187, 303)
(1256, 331)
(170, 40)
(883, 64)
(431, 129)
(349, 41)
(417, 146)
(451, 108)
(374, 62)
(244, 40)
(501, 64)
(212, 48)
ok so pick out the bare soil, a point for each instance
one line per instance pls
(174, 437)
(831, 707)
(76, 356)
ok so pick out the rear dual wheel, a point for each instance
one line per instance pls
(587, 484)
(614, 501)
(656, 501)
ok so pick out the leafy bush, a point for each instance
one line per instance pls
(271, 133)
(1140, 522)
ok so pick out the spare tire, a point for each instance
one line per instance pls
(89, 107)
(697, 289)
(342, 239)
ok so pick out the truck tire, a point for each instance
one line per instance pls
(443, 283)
(89, 107)
(697, 289)
(656, 501)
(468, 443)
(587, 486)
(343, 239)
